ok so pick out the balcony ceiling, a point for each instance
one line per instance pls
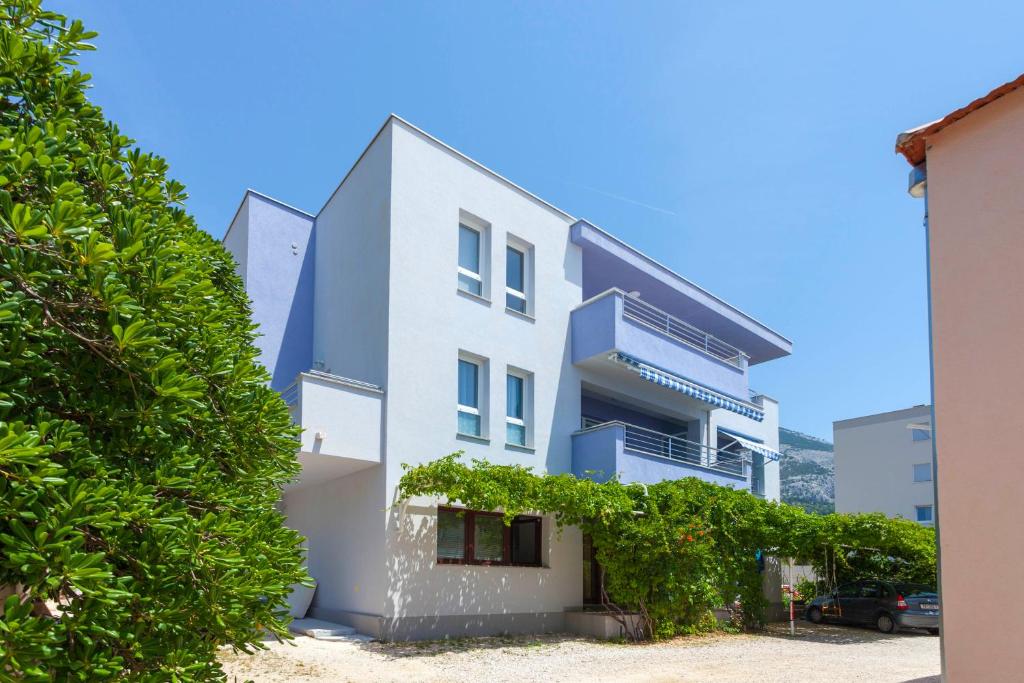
(608, 262)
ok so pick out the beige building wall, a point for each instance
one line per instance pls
(875, 457)
(976, 258)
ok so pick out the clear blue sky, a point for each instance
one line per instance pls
(748, 145)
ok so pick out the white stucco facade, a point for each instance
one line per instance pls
(389, 325)
(883, 463)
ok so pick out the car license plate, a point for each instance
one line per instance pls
(928, 605)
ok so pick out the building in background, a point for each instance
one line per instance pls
(883, 463)
(969, 167)
(433, 306)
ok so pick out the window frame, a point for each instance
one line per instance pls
(461, 270)
(517, 421)
(920, 434)
(476, 410)
(931, 514)
(526, 295)
(469, 549)
(922, 464)
(512, 291)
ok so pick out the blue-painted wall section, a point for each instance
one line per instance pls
(599, 328)
(280, 282)
(600, 454)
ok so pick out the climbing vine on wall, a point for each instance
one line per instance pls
(674, 551)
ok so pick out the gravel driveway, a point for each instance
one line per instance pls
(816, 653)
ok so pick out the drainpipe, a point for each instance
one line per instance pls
(917, 187)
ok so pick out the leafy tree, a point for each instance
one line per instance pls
(675, 550)
(141, 452)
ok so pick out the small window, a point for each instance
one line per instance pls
(469, 398)
(470, 277)
(924, 513)
(471, 537)
(920, 434)
(923, 472)
(515, 279)
(515, 421)
(451, 534)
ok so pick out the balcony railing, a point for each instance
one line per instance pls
(671, 326)
(651, 442)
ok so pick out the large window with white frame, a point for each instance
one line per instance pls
(470, 260)
(518, 276)
(470, 402)
(518, 407)
(515, 420)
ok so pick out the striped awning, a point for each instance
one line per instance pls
(684, 386)
(754, 446)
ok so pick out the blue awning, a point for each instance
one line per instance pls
(692, 389)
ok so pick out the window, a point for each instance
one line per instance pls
(924, 513)
(471, 537)
(469, 398)
(920, 434)
(515, 279)
(515, 424)
(850, 590)
(923, 472)
(470, 276)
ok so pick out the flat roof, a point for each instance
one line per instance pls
(890, 416)
(911, 143)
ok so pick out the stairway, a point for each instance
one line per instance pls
(325, 630)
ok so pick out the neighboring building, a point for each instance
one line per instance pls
(969, 166)
(432, 306)
(883, 463)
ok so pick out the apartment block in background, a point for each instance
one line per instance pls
(883, 463)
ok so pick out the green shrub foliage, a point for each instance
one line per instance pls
(675, 550)
(141, 452)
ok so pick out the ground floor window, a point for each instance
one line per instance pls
(473, 537)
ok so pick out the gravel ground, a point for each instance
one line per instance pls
(816, 653)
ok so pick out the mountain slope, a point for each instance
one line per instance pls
(806, 470)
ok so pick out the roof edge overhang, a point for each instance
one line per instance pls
(771, 344)
(912, 143)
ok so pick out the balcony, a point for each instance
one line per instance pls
(640, 455)
(341, 425)
(617, 322)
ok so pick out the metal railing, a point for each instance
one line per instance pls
(668, 324)
(651, 442)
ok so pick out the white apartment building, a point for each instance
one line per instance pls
(433, 306)
(883, 463)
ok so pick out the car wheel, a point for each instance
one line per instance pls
(814, 615)
(886, 624)
(933, 631)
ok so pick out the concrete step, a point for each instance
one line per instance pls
(323, 630)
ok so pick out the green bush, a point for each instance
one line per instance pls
(676, 550)
(141, 452)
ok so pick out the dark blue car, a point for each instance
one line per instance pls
(888, 606)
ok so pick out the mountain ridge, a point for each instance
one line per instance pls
(806, 471)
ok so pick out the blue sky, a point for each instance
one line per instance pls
(747, 145)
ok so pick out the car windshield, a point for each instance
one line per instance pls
(915, 590)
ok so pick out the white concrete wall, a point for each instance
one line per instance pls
(236, 240)
(350, 329)
(429, 323)
(343, 520)
(874, 464)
